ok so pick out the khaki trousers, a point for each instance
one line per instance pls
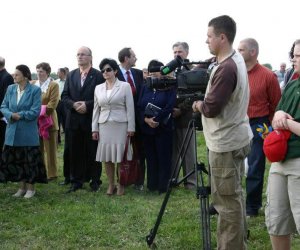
(227, 171)
(49, 149)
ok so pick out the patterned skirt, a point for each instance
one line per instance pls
(22, 164)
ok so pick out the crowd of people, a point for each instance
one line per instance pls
(98, 110)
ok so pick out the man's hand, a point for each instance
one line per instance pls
(80, 107)
(196, 106)
(176, 112)
(76, 105)
(280, 120)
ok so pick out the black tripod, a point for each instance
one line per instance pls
(202, 190)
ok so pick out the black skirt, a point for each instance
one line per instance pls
(22, 164)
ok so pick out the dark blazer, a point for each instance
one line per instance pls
(73, 92)
(137, 78)
(5, 80)
(165, 99)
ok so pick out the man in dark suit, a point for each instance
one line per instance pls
(5, 80)
(135, 78)
(78, 97)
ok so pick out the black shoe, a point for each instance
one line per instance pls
(138, 187)
(52, 178)
(94, 186)
(74, 188)
(252, 213)
(212, 210)
(65, 182)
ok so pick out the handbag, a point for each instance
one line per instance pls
(129, 169)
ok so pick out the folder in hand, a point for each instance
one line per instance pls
(152, 110)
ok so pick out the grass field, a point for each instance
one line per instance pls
(85, 220)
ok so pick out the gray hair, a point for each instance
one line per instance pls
(184, 45)
(2, 62)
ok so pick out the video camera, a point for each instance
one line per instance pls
(189, 82)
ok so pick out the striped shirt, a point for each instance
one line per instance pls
(264, 92)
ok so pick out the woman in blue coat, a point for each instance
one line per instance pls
(157, 132)
(21, 158)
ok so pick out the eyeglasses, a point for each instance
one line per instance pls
(106, 70)
(80, 54)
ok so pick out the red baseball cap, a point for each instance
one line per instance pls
(275, 145)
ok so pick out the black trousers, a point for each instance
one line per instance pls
(66, 159)
(158, 149)
(2, 136)
(61, 117)
(80, 156)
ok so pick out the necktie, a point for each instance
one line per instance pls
(83, 77)
(130, 81)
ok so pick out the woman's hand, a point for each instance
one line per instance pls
(130, 133)
(280, 120)
(95, 136)
(151, 122)
(15, 116)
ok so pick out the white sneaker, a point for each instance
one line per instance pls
(19, 193)
(29, 194)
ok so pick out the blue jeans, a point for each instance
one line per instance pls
(256, 162)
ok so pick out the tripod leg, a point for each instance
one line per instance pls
(172, 182)
(203, 195)
(205, 218)
(202, 191)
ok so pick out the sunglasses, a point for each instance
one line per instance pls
(106, 70)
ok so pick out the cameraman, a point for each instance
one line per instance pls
(227, 132)
(182, 114)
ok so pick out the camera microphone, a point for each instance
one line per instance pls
(171, 66)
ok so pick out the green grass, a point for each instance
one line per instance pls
(86, 220)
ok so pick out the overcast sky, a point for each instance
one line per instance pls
(34, 31)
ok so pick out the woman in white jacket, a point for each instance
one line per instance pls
(113, 120)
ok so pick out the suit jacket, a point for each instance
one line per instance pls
(119, 106)
(5, 80)
(73, 92)
(51, 99)
(137, 78)
(23, 132)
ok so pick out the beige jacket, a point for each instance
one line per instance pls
(118, 107)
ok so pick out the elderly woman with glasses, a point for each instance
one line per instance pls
(22, 160)
(113, 120)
